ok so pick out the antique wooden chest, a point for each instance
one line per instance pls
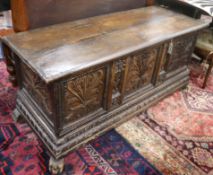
(80, 79)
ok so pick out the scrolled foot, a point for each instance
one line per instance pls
(56, 166)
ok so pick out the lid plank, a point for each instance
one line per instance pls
(58, 50)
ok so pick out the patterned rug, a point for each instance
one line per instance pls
(174, 137)
(21, 153)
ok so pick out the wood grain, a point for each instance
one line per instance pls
(31, 14)
(19, 15)
(93, 41)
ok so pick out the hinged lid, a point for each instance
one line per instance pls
(59, 50)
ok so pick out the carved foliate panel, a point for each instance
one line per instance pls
(181, 50)
(84, 95)
(140, 69)
(37, 89)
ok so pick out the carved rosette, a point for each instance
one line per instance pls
(37, 89)
(84, 95)
(141, 67)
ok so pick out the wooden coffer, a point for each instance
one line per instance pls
(80, 79)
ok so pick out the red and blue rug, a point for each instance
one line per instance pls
(21, 153)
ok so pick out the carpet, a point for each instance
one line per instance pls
(174, 137)
(21, 153)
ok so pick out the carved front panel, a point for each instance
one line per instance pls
(140, 69)
(180, 52)
(37, 89)
(84, 95)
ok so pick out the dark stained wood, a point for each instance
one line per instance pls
(141, 69)
(99, 72)
(93, 41)
(84, 95)
(150, 2)
(181, 48)
(31, 14)
(20, 17)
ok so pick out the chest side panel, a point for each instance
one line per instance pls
(53, 11)
(37, 89)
